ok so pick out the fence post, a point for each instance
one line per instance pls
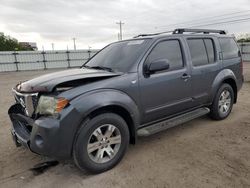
(15, 57)
(89, 53)
(68, 59)
(44, 60)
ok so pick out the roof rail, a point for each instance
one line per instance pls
(143, 35)
(152, 34)
(205, 31)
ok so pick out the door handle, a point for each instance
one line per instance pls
(185, 76)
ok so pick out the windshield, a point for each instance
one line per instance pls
(119, 56)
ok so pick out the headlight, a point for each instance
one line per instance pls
(50, 105)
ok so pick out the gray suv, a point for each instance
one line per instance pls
(130, 88)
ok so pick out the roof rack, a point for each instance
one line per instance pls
(205, 31)
(184, 30)
(152, 34)
(143, 35)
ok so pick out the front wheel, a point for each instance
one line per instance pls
(223, 102)
(101, 143)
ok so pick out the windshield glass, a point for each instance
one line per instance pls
(119, 56)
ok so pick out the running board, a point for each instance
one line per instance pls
(163, 125)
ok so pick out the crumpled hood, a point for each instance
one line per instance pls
(48, 82)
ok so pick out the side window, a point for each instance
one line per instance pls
(210, 50)
(169, 50)
(202, 51)
(229, 48)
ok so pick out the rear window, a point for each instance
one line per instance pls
(229, 48)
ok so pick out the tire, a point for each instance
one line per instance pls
(219, 109)
(96, 150)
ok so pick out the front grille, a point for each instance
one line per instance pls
(20, 99)
(35, 101)
(27, 100)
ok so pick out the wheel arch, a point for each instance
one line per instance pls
(225, 76)
(232, 83)
(109, 100)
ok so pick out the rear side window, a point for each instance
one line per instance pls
(210, 50)
(229, 48)
(170, 50)
(202, 51)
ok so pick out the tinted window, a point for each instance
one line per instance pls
(210, 50)
(198, 52)
(169, 50)
(229, 48)
(120, 56)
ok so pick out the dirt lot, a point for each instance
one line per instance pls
(201, 153)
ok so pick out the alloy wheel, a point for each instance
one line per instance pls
(104, 143)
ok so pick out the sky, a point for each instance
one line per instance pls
(93, 22)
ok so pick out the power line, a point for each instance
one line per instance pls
(215, 20)
(209, 24)
(230, 21)
(217, 23)
(209, 18)
(226, 18)
(120, 24)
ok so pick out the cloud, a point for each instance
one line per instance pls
(93, 22)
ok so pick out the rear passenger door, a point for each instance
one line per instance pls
(205, 66)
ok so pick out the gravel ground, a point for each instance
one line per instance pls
(201, 153)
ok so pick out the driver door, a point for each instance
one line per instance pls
(167, 92)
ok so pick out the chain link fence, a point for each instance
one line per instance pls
(245, 50)
(37, 60)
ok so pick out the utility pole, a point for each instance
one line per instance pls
(52, 45)
(74, 40)
(89, 51)
(120, 24)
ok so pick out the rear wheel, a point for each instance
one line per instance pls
(101, 143)
(223, 102)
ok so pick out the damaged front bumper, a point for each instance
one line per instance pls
(47, 136)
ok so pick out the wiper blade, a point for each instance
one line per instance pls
(86, 66)
(102, 68)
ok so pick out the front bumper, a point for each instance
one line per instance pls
(47, 136)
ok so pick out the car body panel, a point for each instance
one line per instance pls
(203, 76)
(48, 82)
(146, 98)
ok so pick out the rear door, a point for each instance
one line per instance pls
(204, 58)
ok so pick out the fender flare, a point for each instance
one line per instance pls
(219, 79)
(91, 101)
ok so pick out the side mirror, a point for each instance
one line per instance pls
(157, 65)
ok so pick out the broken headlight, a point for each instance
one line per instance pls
(48, 105)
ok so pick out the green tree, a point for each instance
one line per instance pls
(244, 38)
(8, 43)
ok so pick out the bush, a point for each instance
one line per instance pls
(8, 43)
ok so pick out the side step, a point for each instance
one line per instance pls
(163, 125)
